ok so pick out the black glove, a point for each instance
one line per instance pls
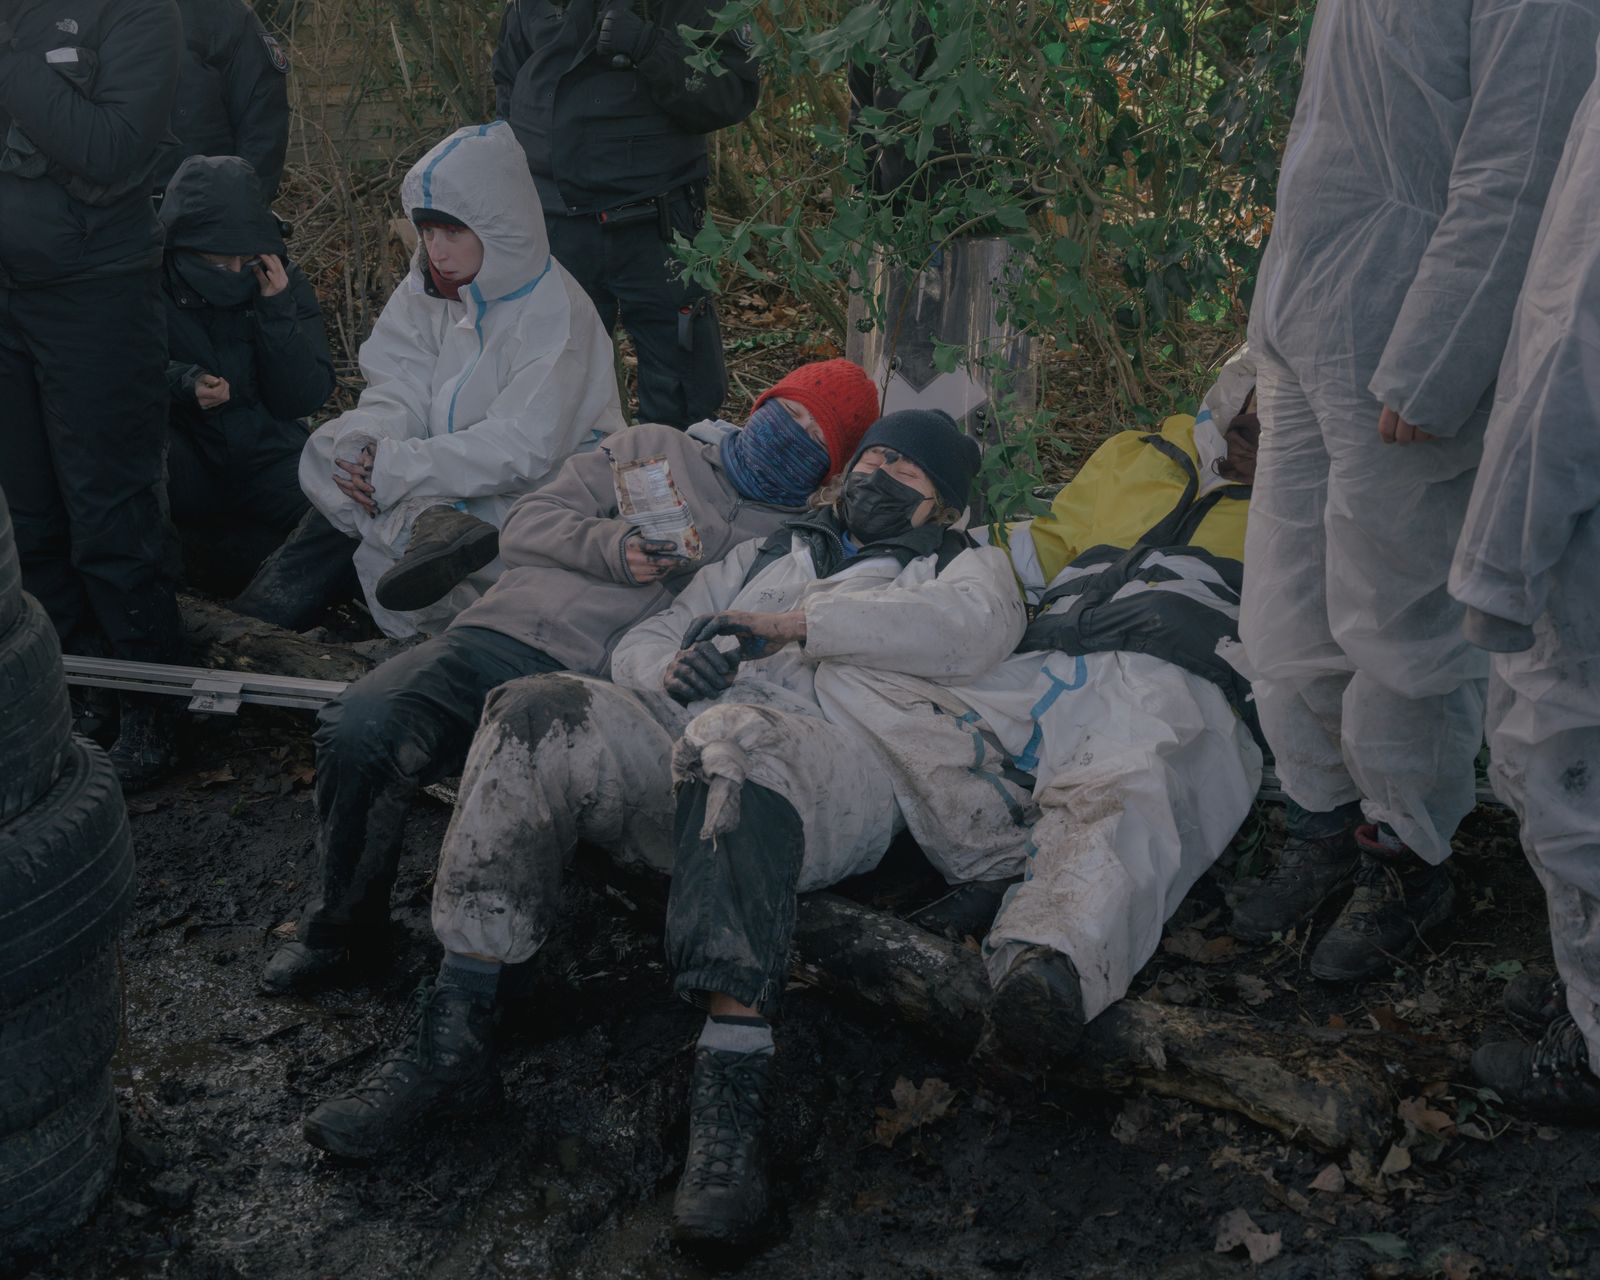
(701, 671)
(624, 37)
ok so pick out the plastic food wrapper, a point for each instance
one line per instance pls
(647, 496)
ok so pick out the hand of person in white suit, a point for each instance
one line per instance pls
(1396, 430)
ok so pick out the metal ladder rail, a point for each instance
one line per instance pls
(216, 692)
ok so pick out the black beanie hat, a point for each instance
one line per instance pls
(423, 216)
(931, 439)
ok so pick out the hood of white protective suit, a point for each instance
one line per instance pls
(480, 175)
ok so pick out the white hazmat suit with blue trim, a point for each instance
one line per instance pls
(471, 402)
(1528, 568)
(1423, 145)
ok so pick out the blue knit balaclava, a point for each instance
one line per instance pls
(773, 459)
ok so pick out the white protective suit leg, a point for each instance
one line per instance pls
(1145, 773)
(966, 806)
(557, 759)
(832, 775)
(1411, 713)
(1544, 735)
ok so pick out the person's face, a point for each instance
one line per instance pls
(455, 252)
(901, 468)
(229, 261)
(804, 417)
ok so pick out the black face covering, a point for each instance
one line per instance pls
(217, 285)
(876, 506)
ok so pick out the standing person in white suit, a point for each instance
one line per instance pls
(487, 368)
(1526, 572)
(1422, 148)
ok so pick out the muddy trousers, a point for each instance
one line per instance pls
(557, 759)
(731, 914)
(398, 728)
(1365, 686)
(1544, 741)
(310, 571)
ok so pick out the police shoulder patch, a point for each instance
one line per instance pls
(276, 53)
(745, 35)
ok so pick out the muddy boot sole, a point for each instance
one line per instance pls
(1039, 1005)
(359, 1144)
(424, 578)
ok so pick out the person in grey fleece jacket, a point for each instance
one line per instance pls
(578, 575)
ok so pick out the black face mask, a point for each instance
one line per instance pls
(875, 505)
(217, 285)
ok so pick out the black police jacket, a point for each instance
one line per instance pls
(598, 137)
(86, 89)
(273, 351)
(233, 94)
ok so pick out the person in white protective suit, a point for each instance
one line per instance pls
(483, 374)
(873, 579)
(1422, 148)
(1526, 571)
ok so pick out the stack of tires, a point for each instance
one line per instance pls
(66, 886)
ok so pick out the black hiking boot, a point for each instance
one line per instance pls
(1040, 1001)
(1550, 1079)
(446, 545)
(296, 968)
(1317, 861)
(94, 714)
(1533, 1003)
(307, 574)
(146, 748)
(723, 1200)
(443, 1066)
(1398, 897)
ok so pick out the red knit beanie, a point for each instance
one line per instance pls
(842, 399)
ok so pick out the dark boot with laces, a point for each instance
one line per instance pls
(1317, 861)
(1533, 1003)
(146, 748)
(1549, 1079)
(1039, 1004)
(446, 545)
(443, 1066)
(723, 1199)
(1398, 897)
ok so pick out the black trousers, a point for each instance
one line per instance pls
(83, 420)
(731, 910)
(398, 728)
(310, 570)
(630, 274)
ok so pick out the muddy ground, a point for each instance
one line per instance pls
(575, 1178)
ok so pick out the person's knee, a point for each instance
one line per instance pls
(530, 707)
(365, 725)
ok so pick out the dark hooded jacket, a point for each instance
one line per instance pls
(272, 351)
(86, 88)
(233, 94)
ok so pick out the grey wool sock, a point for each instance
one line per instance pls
(737, 1035)
(479, 978)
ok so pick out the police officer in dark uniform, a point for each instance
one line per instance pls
(613, 115)
(233, 96)
(86, 89)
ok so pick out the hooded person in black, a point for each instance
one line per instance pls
(247, 359)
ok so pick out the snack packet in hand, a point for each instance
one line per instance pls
(647, 496)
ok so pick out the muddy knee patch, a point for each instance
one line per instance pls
(532, 707)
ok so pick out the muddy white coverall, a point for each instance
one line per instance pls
(1143, 770)
(471, 402)
(1422, 148)
(560, 758)
(1529, 563)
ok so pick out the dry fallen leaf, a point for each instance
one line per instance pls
(1330, 1180)
(1237, 1228)
(1397, 1161)
(914, 1107)
(1191, 944)
(1458, 1264)
(284, 930)
(1419, 1115)
(1252, 990)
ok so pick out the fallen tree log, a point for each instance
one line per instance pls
(221, 639)
(1334, 1090)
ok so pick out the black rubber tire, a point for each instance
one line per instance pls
(53, 1175)
(66, 877)
(60, 1042)
(35, 712)
(10, 571)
